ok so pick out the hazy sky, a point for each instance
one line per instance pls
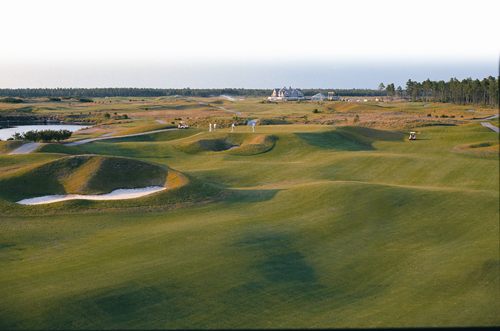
(249, 44)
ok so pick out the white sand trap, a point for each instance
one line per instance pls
(119, 194)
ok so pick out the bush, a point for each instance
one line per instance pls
(11, 100)
(83, 99)
(356, 119)
(429, 115)
(44, 135)
(315, 111)
(107, 115)
(54, 99)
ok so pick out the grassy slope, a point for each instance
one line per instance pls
(329, 229)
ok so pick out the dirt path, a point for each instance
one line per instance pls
(26, 148)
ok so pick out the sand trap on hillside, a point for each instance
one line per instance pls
(119, 194)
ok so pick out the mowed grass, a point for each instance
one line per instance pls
(331, 228)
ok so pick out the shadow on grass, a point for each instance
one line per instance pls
(251, 196)
(281, 262)
(334, 140)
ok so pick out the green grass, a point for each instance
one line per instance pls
(8, 146)
(332, 227)
(145, 128)
(62, 149)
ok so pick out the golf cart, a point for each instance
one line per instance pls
(412, 136)
(182, 126)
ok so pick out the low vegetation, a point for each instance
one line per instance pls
(11, 100)
(44, 135)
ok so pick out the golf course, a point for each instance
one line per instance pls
(326, 216)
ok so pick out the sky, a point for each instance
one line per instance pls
(242, 44)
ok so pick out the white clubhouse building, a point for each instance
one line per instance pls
(286, 94)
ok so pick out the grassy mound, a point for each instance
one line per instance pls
(63, 149)
(235, 144)
(254, 145)
(488, 148)
(85, 174)
(219, 143)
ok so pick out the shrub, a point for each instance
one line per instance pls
(315, 111)
(83, 99)
(429, 115)
(107, 115)
(11, 100)
(54, 99)
(44, 135)
(356, 119)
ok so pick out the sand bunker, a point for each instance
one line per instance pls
(119, 194)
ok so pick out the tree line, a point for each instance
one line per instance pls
(476, 92)
(468, 91)
(156, 92)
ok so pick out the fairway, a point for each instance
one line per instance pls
(299, 226)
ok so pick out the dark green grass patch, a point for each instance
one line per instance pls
(334, 140)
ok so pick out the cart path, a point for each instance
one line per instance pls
(489, 125)
(84, 141)
(26, 148)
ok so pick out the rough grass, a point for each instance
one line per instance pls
(9, 145)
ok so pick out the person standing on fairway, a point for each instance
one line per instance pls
(215, 126)
(210, 127)
(253, 126)
(232, 128)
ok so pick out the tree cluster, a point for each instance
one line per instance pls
(44, 135)
(465, 92)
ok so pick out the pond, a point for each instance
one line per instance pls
(6, 133)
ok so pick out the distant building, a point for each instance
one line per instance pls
(331, 96)
(318, 97)
(286, 94)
